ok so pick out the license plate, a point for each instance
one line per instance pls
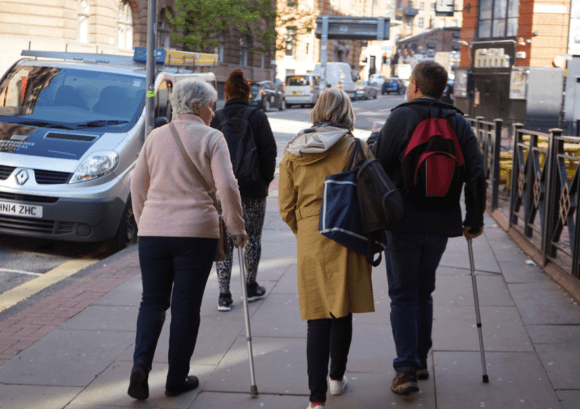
(296, 92)
(19, 209)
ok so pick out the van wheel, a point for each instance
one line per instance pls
(282, 105)
(126, 233)
(267, 105)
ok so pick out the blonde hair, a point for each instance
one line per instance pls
(189, 91)
(333, 105)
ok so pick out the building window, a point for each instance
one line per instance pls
(222, 48)
(399, 4)
(431, 22)
(498, 18)
(454, 23)
(83, 30)
(442, 23)
(410, 23)
(421, 22)
(410, 5)
(163, 36)
(422, 6)
(290, 41)
(244, 50)
(125, 25)
(433, 7)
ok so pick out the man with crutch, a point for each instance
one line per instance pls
(429, 150)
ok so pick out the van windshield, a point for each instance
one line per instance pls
(297, 80)
(71, 98)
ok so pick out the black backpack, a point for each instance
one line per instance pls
(241, 144)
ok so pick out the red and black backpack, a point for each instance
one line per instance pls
(433, 166)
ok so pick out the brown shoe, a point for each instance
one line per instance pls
(405, 382)
(423, 372)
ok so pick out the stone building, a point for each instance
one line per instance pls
(110, 26)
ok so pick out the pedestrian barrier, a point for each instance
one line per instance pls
(541, 174)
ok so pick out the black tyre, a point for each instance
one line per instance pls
(282, 105)
(266, 105)
(126, 233)
(376, 95)
(382, 92)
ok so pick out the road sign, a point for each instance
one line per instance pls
(444, 7)
(355, 28)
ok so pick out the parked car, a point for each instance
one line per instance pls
(394, 85)
(366, 90)
(339, 75)
(266, 95)
(71, 128)
(301, 89)
(378, 79)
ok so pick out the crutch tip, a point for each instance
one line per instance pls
(254, 391)
(485, 379)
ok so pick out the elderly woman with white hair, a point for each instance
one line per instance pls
(179, 230)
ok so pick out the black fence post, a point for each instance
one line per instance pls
(514, 185)
(578, 127)
(551, 203)
(495, 163)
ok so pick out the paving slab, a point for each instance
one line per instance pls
(544, 303)
(288, 283)
(104, 317)
(454, 329)
(562, 362)
(127, 294)
(523, 271)
(554, 334)
(36, 396)
(279, 316)
(110, 389)
(458, 290)
(66, 358)
(280, 367)
(372, 349)
(221, 400)
(569, 399)
(456, 255)
(516, 381)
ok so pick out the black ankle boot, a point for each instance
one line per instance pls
(191, 382)
(138, 384)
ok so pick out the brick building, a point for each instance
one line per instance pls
(428, 43)
(514, 54)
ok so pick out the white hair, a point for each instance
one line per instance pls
(189, 91)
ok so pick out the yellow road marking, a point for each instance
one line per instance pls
(28, 289)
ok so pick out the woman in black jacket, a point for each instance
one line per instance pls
(237, 92)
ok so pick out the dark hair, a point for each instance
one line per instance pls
(431, 78)
(236, 85)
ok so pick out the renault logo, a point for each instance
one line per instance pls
(22, 177)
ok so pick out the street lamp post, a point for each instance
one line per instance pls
(151, 35)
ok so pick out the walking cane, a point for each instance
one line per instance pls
(477, 316)
(253, 387)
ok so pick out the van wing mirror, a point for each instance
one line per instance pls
(160, 121)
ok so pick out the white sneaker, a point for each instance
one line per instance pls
(337, 387)
(310, 406)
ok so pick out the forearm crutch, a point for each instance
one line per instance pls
(253, 387)
(477, 315)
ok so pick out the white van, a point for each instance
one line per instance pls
(301, 89)
(71, 128)
(339, 75)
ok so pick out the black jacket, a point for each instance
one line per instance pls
(265, 142)
(389, 145)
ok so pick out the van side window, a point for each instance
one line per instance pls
(163, 107)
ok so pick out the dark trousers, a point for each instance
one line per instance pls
(412, 260)
(174, 272)
(327, 339)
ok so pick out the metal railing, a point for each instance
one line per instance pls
(544, 192)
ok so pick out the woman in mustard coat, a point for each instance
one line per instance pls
(333, 282)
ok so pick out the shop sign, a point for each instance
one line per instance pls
(518, 84)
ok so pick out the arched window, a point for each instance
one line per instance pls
(163, 35)
(125, 26)
(83, 22)
(244, 50)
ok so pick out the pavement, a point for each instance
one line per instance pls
(72, 346)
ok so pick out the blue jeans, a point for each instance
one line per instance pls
(174, 272)
(412, 259)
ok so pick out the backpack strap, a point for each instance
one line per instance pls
(358, 153)
(221, 117)
(248, 112)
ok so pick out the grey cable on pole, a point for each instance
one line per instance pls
(253, 386)
(477, 315)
